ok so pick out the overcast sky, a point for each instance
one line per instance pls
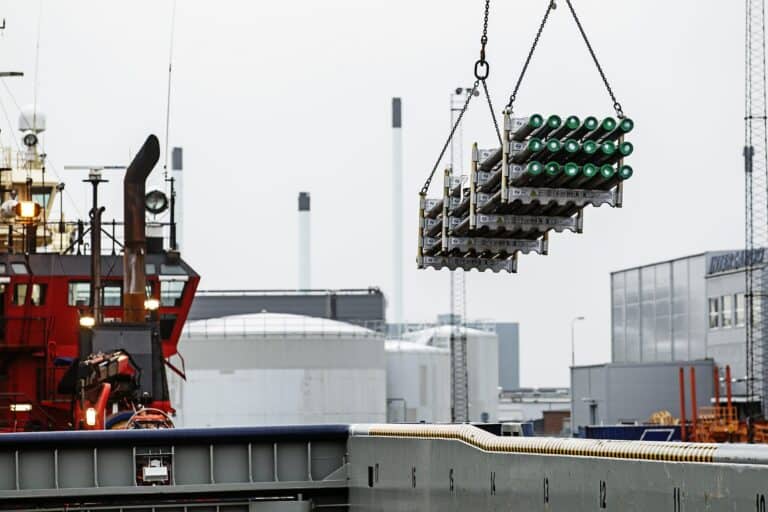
(273, 98)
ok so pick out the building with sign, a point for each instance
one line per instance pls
(681, 311)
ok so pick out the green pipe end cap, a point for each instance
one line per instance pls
(589, 170)
(572, 122)
(608, 148)
(535, 168)
(625, 172)
(609, 124)
(626, 148)
(554, 122)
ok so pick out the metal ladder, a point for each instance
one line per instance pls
(458, 346)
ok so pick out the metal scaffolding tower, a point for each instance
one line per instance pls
(756, 170)
(458, 338)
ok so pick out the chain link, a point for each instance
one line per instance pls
(493, 112)
(482, 68)
(450, 136)
(616, 104)
(551, 7)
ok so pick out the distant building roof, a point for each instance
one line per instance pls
(393, 346)
(439, 336)
(364, 307)
(275, 324)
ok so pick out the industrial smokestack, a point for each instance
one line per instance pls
(397, 211)
(304, 261)
(134, 272)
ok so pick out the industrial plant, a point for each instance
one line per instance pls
(151, 360)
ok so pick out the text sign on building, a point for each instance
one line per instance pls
(736, 260)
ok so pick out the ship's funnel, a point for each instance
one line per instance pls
(134, 272)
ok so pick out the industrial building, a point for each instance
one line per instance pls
(416, 361)
(269, 368)
(365, 307)
(418, 382)
(688, 311)
(530, 404)
(482, 365)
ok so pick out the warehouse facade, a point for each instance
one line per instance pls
(667, 315)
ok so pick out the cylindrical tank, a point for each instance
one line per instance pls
(418, 382)
(482, 366)
(279, 369)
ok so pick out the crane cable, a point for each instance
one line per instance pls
(551, 7)
(481, 71)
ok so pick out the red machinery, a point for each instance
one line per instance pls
(85, 340)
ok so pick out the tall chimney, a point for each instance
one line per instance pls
(304, 261)
(397, 211)
(134, 272)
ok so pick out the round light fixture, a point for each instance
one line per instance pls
(30, 140)
(156, 202)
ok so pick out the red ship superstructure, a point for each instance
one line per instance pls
(86, 336)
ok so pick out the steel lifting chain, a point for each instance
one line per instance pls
(512, 97)
(551, 7)
(616, 104)
(482, 70)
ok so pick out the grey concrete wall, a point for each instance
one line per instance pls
(632, 392)
(442, 475)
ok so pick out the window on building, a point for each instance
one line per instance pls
(79, 293)
(714, 312)
(19, 268)
(171, 292)
(726, 306)
(756, 311)
(40, 195)
(112, 295)
(739, 310)
(19, 294)
(39, 291)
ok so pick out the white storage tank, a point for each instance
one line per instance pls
(418, 382)
(279, 369)
(482, 366)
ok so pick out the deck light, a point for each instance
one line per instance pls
(156, 202)
(21, 407)
(151, 304)
(30, 139)
(90, 416)
(27, 209)
(87, 321)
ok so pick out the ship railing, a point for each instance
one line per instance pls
(73, 237)
(282, 327)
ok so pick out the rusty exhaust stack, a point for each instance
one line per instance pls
(134, 272)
